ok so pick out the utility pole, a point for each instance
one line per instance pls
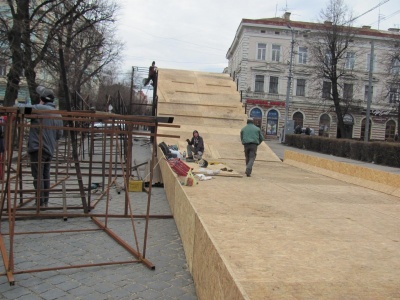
(288, 88)
(371, 69)
(131, 93)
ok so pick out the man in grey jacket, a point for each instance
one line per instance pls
(42, 142)
(251, 137)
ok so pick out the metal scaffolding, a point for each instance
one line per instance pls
(88, 157)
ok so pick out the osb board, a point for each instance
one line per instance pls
(184, 215)
(292, 228)
(210, 271)
(169, 180)
(285, 228)
(375, 179)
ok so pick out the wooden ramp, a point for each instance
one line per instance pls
(210, 104)
(285, 232)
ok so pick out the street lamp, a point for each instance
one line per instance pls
(289, 83)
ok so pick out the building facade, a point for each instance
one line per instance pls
(261, 55)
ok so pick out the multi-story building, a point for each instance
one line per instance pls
(259, 61)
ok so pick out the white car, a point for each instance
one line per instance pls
(117, 124)
(100, 125)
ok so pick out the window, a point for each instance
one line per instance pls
(276, 52)
(324, 124)
(259, 87)
(393, 95)
(298, 119)
(348, 91)
(272, 122)
(350, 60)
(301, 87)
(390, 130)
(273, 85)
(303, 55)
(366, 93)
(262, 49)
(363, 127)
(326, 89)
(328, 58)
(368, 62)
(3, 69)
(396, 66)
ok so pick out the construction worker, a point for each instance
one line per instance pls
(251, 137)
(195, 147)
(152, 74)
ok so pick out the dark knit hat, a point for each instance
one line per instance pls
(45, 94)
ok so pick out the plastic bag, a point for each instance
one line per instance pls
(190, 180)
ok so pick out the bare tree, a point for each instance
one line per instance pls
(89, 44)
(328, 47)
(13, 30)
(39, 28)
(115, 86)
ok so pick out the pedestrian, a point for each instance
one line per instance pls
(195, 147)
(42, 142)
(298, 130)
(152, 74)
(308, 131)
(251, 137)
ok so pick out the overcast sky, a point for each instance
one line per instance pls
(196, 34)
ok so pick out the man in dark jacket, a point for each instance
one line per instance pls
(152, 74)
(195, 147)
(42, 142)
(251, 137)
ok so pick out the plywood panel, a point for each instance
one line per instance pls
(283, 233)
(378, 180)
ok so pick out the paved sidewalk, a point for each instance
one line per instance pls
(171, 278)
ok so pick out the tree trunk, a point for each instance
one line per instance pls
(17, 63)
(338, 110)
(30, 74)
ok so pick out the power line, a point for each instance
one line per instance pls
(375, 7)
(387, 17)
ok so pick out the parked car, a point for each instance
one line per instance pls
(100, 125)
(117, 123)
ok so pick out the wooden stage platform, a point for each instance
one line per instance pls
(287, 232)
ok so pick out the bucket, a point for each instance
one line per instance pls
(135, 185)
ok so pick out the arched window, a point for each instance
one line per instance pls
(362, 135)
(348, 121)
(390, 130)
(298, 119)
(324, 125)
(272, 122)
(256, 114)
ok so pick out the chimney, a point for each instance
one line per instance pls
(286, 16)
(366, 27)
(394, 29)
